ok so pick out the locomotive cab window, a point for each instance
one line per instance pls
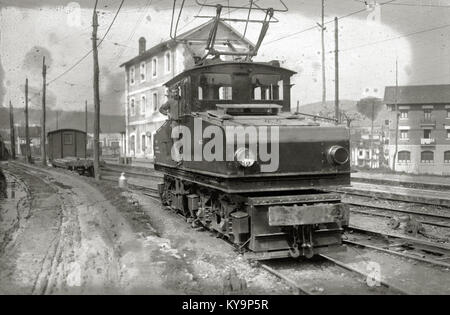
(267, 87)
(215, 86)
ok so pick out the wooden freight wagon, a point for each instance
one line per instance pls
(67, 149)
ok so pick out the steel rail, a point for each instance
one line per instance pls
(431, 215)
(290, 282)
(404, 255)
(371, 213)
(400, 237)
(350, 268)
(369, 194)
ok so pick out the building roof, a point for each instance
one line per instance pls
(418, 94)
(189, 35)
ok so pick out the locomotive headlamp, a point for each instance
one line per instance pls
(245, 157)
(338, 155)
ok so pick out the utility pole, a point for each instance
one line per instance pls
(324, 82)
(27, 131)
(86, 128)
(371, 135)
(43, 132)
(57, 118)
(96, 95)
(336, 67)
(12, 131)
(397, 114)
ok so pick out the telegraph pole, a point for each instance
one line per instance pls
(12, 131)
(96, 95)
(86, 128)
(27, 131)
(324, 82)
(336, 67)
(396, 115)
(57, 119)
(43, 132)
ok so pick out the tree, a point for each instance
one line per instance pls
(370, 107)
(348, 116)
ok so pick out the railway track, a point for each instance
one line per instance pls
(325, 275)
(407, 247)
(422, 217)
(400, 194)
(313, 277)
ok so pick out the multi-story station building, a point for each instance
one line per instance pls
(424, 128)
(147, 73)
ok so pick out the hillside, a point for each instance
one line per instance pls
(66, 119)
(348, 106)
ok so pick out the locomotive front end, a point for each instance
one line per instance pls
(294, 213)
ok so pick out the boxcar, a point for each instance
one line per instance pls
(67, 149)
(66, 143)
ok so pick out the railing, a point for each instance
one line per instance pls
(428, 141)
(428, 122)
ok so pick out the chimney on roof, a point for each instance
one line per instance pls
(142, 45)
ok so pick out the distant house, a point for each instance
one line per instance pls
(147, 73)
(361, 143)
(111, 144)
(424, 128)
(35, 140)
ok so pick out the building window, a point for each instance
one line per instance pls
(132, 107)
(154, 67)
(404, 114)
(448, 134)
(427, 114)
(404, 135)
(143, 104)
(168, 62)
(427, 157)
(143, 72)
(132, 146)
(155, 101)
(448, 113)
(132, 75)
(447, 157)
(427, 134)
(404, 157)
(143, 143)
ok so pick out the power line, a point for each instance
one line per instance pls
(397, 37)
(90, 51)
(328, 22)
(138, 22)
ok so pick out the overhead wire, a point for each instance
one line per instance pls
(90, 51)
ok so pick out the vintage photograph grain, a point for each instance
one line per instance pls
(216, 150)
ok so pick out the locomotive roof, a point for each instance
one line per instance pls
(229, 63)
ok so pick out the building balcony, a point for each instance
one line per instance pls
(428, 141)
(428, 123)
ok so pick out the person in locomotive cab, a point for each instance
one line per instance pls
(172, 100)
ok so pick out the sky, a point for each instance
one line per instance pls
(371, 39)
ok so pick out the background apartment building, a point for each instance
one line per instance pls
(147, 73)
(424, 128)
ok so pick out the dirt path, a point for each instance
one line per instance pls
(73, 236)
(69, 240)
